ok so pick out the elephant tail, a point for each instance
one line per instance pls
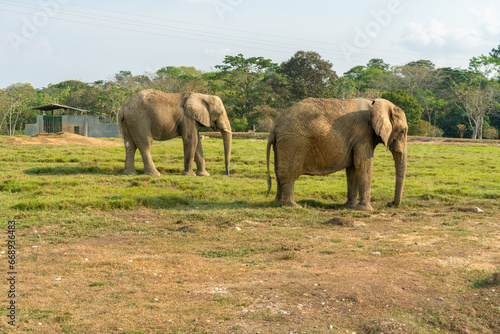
(271, 141)
(122, 121)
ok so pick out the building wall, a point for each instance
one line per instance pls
(87, 126)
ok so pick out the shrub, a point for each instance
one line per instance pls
(264, 125)
(424, 128)
(239, 124)
(491, 133)
(461, 130)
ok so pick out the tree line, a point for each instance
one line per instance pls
(450, 102)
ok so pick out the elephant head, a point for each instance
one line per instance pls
(209, 111)
(389, 122)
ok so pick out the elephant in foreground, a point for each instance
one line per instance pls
(322, 136)
(154, 115)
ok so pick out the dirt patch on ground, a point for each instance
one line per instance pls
(383, 277)
(451, 141)
(65, 138)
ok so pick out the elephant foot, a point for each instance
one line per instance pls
(152, 173)
(188, 172)
(391, 204)
(129, 172)
(292, 204)
(350, 204)
(364, 207)
(202, 173)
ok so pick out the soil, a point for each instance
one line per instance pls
(378, 276)
(65, 138)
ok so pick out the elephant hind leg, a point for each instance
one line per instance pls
(149, 166)
(285, 194)
(130, 149)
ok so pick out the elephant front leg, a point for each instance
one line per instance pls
(352, 188)
(190, 143)
(130, 149)
(364, 175)
(200, 160)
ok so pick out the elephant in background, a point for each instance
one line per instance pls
(154, 115)
(322, 136)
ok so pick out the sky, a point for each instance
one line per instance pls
(45, 42)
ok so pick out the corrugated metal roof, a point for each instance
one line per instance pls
(54, 106)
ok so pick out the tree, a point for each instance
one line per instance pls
(372, 80)
(417, 75)
(476, 99)
(430, 104)
(4, 107)
(110, 98)
(173, 79)
(20, 97)
(379, 64)
(246, 83)
(461, 130)
(308, 75)
(131, 82)
(408, 103)
(344, 88)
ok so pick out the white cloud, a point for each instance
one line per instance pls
(488, 18)
(480, 30)
(437, 35)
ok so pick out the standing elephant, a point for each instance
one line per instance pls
(153, 115)
(322, 136)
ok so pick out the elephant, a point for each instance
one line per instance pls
(321, 136)
(154, 115)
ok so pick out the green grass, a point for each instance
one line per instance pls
(60, 178)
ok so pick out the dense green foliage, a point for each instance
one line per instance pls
(255, 89)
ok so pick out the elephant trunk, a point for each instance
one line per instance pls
(226, 138)
(400, 164)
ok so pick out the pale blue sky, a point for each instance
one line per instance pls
(49, 41)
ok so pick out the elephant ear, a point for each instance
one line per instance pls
(196, 107)
(381, 119)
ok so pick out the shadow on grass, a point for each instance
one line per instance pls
(310, 203)
(178, 202)
(64, 170)
(488, 282)
(134, 202)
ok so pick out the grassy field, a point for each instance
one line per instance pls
(100, 252)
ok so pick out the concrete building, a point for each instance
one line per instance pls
(84, 125)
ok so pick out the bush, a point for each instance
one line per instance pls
(461, 130)
(239, 124)
(408, 103)
(264, 125)
(491, 133)
(424, 128)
